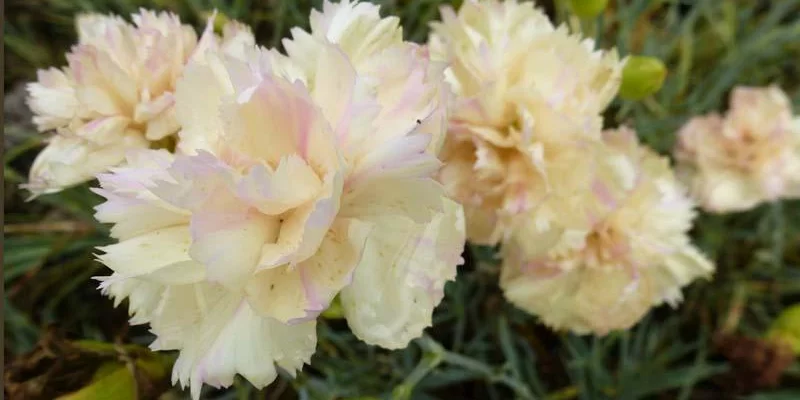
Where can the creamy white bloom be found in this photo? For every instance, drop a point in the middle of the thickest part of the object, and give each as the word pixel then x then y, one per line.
pixel 116 94
pixel 529 98
pixel 299 178
pixel 749 156
pixel 635 257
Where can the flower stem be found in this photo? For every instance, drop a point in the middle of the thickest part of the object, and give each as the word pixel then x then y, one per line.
pixel 491 374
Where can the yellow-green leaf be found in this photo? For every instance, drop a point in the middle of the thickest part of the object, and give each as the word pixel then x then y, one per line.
pixel 335 310
pixel 787 327
pixel 113 381
pixel 156 366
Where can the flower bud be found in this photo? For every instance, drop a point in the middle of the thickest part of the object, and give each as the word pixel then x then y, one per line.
pixel 588 8
pixel 641 77
pixel 219 18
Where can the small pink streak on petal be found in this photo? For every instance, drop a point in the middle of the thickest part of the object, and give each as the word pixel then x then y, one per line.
pixel 522 200
pixel 314 302
pixel 344 124
pixel 542 269
pixel 412 92
pixel 93 124
pixel 304 132
pixel 601 191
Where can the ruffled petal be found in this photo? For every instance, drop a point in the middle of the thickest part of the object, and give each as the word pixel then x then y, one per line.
pixel 290 185
pixel 193 181
pixel 143 296
pixel 301 293
pixel 71 160
pixel 344 96
pixel 147 254
pixel 356 27
pixel 103 87
pixel 401 276
pixel 229 338
pixel 52 99
pixel 303 229
pixel 401 157
pixel 133 216
pixel 418 199
pixel 726 190
pixel 583 301
pixel 229 244
pixel 289 120
pixel 198 97
pixel 413 96
pixel 102 131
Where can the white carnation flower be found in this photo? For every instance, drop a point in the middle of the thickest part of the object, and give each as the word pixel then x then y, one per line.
pixel 638 255
pixel 299 178
pixel 527 111
pixel 749 156
pixel 116 94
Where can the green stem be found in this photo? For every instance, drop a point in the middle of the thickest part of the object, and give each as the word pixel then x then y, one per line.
pixel 431 358
pixel 653 106
pixel 489 373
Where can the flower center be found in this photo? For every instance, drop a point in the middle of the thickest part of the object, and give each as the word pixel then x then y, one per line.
pixel 605 245
pixel 749 152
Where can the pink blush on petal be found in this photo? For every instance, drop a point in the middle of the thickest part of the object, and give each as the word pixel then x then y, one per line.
pixel 601 191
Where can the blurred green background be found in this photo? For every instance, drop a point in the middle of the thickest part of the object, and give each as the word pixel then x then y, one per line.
pixel 63 338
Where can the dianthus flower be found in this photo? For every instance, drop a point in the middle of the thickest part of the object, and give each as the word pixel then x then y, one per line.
pixel 526 116
pixel 115 95
pixel 298 178
pixel 749 156
pixel 637 256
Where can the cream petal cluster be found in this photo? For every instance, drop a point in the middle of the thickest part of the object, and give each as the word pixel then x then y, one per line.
pixel 526 123
pixel 638 255
pixel 116 94
pixel 749 156
pixel 298 178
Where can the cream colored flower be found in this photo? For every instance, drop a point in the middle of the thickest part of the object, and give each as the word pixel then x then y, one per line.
pixel 635 257
pixel 116 94
pixel 749 156
pixel 526 116
pixel 299 178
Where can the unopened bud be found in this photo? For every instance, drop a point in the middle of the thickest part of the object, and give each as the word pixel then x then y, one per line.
pixel 641 77
pixel 588 8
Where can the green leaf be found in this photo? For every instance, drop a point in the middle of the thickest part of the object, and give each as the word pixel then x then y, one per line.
pixel 335 310
pixel 112 382
pixel 156 365
pixel 23 254
pixel 787 327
